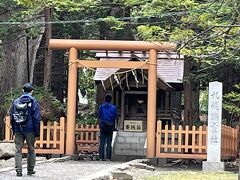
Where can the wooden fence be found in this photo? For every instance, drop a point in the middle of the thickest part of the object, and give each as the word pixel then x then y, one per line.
pixel 191 143
pixel 229 147
pixel 87 138
pixel 51 140
pixel 171 142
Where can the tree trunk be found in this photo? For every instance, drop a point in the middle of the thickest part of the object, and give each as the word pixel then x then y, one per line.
pixel 33 48
pixel 191 94
pixel 48 52
pixel 13 67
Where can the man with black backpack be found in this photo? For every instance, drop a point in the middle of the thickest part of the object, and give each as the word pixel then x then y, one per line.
pixel 25 122
pixel 107 115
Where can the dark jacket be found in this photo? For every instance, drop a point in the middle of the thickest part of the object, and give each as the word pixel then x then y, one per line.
pixel 33 122
pixel 107 114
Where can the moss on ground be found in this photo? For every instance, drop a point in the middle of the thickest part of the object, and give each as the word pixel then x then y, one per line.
pixel 189 175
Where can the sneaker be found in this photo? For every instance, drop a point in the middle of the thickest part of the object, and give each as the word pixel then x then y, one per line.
pixel 31 172
pixel 108 160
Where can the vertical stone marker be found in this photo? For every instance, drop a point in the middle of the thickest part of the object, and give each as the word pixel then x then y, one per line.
pixel 213 162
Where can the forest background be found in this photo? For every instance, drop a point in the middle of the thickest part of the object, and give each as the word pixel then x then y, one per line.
pixel 207 33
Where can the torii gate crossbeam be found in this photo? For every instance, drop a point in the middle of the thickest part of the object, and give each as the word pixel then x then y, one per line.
pixel 109 45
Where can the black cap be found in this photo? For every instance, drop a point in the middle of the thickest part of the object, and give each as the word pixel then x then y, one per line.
pixel 27 87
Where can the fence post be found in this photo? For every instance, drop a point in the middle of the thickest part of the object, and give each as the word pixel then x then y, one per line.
pixel 173 138
pixel 193 138
pixel 180 129
pixel 237 129
pixel 159 137
pixel 7 128
pixel 62 134
pixel 41 134
pixel 186 138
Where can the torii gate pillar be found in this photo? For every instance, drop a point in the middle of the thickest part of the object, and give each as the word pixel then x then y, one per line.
pixel 151 103
pixel 71 101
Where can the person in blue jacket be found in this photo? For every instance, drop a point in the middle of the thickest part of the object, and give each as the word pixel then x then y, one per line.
pixel 25 122
pixel 107 114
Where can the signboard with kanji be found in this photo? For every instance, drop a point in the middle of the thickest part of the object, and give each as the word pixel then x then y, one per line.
pixel 214 122
pixel 132 125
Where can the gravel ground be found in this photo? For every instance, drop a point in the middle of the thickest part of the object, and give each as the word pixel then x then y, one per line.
pixel 95 170
pixel 65 170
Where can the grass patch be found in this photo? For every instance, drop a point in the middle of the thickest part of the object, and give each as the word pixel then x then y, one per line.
pixel 188 175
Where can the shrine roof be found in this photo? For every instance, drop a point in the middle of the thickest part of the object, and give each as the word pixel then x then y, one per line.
pixel 169 65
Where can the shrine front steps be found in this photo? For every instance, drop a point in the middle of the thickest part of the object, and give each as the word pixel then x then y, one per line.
pixel 129 145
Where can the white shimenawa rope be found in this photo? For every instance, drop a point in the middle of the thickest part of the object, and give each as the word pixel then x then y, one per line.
pixel 135 77
pixel 111 82
pixel 103 85
pixel 142 76
pixel 127 81
pixel 116 78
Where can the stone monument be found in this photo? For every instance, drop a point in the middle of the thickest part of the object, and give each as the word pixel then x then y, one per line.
pixel 213 162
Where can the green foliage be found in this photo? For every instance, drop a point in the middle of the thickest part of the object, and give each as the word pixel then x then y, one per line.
pixel 178 34
pixel 114 23
pixel 193 25
pixel 51 107
pixel 87 113
pixel 30 13
pixel 203 101
pixel 86 84
pixel 232 102
pixel 152 33
pixel 59 5
pixel 87 119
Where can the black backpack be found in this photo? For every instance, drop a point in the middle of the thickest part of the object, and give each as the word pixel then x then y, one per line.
pixel 22 112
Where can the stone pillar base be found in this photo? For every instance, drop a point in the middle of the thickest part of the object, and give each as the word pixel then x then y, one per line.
pixel 213 166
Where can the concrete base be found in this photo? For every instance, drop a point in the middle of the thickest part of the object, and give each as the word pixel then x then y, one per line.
pixel 158 161
pixel 162 161
pixel 213 166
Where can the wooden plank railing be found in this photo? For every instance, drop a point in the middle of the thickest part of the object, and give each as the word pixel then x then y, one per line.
pixel 191 143
pixel 181 143
pixel 229 142
pixel 87 138
pixel 51 139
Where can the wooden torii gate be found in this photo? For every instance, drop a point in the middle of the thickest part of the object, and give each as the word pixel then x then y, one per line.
pixel 109 45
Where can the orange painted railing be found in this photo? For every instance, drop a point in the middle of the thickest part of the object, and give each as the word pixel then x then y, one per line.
pixel 191 143
pixel 51 140
pixel 229 147
pixel 181 143
pixel 87 138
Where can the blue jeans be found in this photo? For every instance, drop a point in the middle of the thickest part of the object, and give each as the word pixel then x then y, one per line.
pixel 105 138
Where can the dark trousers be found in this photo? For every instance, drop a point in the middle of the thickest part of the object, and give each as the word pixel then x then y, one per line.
pixel 105 139
pixel 19 142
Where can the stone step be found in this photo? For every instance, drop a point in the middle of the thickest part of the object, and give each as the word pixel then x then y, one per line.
pixel 129 146
pixel 135 152
pixel 130 139
pixel 131 134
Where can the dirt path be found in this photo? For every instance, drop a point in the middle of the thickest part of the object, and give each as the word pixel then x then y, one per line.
pixel 95 170
pixel 65 170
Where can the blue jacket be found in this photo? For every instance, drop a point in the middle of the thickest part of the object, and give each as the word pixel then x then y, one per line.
pixel 107 114
pixel 33 124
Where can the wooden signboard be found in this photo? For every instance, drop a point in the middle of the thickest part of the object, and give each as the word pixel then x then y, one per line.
pixel 133 126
